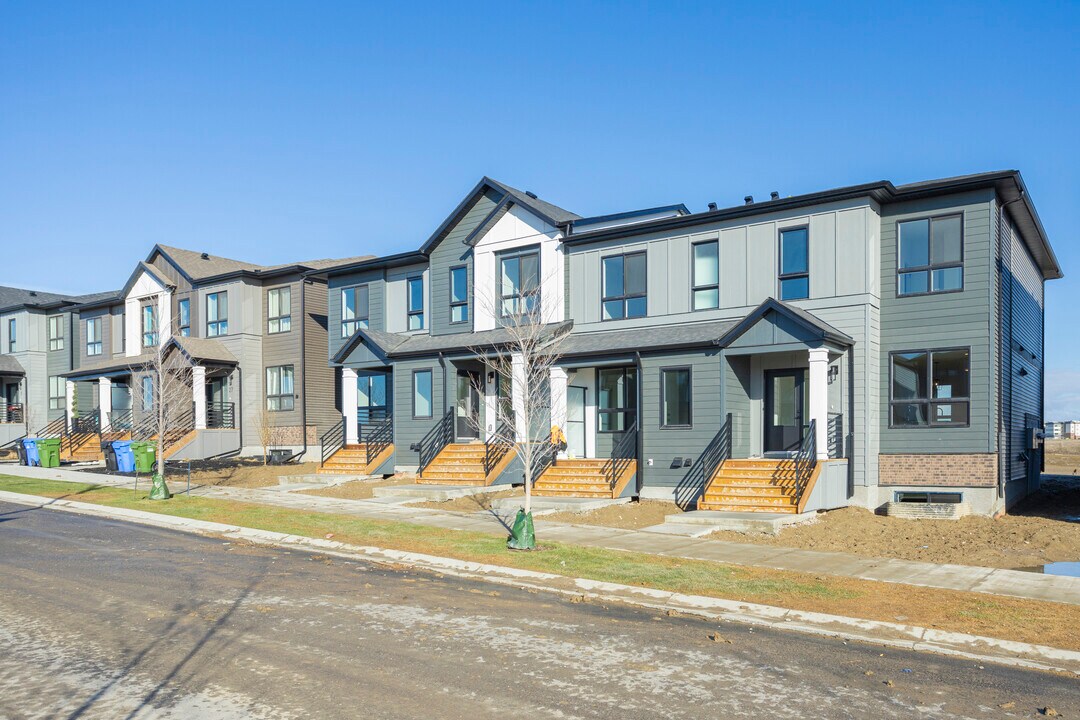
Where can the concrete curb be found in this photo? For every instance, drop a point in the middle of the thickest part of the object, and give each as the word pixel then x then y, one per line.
pixel 907 637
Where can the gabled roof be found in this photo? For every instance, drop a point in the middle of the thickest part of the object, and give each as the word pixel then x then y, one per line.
pixel 10 366
pixel 815 326
pixel 196 268
pixel 13 297
pixel 144 267
pixel 658 337
pixel 382 343
pixel 203 350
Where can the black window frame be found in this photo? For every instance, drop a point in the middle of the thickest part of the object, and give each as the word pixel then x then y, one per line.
pixel 694 286
pixel 630 409
pixel 219 324
pixel 56 342
pixel 431 401
pixel 149 337
pixel 285 319
pixel 360 322
pixel 410 311
pixel 459 303
pixel 690 400
pixel 931 266
pixel 930 401
pixel 13 332
pixel 57 402
pixel 521 294
pixel 624 298
pixel 280 395
pixel 781 276
pixel 94 347
pixel 183 328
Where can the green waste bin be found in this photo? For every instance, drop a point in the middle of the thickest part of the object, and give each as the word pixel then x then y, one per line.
pixel 144 456
pixel 48 451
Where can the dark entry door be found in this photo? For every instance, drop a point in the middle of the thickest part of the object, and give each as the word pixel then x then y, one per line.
pixel 785 400
pixel 467 414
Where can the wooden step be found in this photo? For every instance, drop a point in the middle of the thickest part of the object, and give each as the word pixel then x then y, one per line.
pixel 352 460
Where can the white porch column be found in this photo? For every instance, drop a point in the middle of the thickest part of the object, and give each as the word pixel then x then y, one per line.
pixel 198 395
pixel 517 374
pixel 104 401
pixel 348 405
pixel 558 382
pixel 819 399
pixel 69 401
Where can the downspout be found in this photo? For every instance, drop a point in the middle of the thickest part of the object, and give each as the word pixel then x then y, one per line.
pixel 303 369
pixel 445 395
pixel 240 404
pixel 640 450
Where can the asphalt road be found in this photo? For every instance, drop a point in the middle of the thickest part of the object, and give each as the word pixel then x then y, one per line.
pixel 100 619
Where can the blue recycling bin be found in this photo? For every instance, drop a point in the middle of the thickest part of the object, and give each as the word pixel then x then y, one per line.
pixel 30 446
pixel 125 459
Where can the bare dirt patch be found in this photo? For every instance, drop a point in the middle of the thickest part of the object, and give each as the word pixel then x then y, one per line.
pixel 1035 532
pixel 472 503
pixel 356 489
pixel 631 516
pixel 233 472
pixel 1063 457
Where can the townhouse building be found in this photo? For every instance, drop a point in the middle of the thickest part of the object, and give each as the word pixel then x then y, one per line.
pixel 859 345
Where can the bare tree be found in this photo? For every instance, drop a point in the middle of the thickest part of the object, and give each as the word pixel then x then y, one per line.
pixel 267 432
pixel 171 415
pixel 522 360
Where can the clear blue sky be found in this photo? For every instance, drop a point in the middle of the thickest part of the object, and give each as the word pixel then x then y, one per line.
pixel 283 131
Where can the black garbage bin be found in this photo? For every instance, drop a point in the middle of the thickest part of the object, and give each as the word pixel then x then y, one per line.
pixel 21 451
pixel 110 458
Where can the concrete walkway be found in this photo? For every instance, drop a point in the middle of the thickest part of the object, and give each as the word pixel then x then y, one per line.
pixel 1011 583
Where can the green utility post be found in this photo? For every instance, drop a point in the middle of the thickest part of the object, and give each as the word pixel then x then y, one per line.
pixel 522 534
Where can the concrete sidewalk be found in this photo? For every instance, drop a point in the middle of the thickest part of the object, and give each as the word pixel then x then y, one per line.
pixel 1011 583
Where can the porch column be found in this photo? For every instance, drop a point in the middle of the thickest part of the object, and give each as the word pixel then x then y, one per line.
pixel 198 395
pixel 558 382
pixel 104 401
pixel 348 405
pixel 819 399
pixel 69 401
pixel 517 389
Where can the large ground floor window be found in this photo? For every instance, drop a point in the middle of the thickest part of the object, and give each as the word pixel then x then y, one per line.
pixel 930 388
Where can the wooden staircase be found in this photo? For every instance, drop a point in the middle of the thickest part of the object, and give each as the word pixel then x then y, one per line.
pixel 85 447
pixel 463 464
pixel 352 460
pixel 583 478
pixel 757 485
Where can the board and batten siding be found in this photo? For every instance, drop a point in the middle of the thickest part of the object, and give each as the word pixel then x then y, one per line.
pixel 945 320
pixel 407 429
pixel 450 252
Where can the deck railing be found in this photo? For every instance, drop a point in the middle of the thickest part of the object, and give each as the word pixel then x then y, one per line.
pixel 332 440
pixel 221 416
pixel 120 421
pixel 378 437
pixel 836 435
pixel 437 438
pixel 11 413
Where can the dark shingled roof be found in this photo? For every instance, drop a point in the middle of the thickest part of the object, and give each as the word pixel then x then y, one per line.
pixel 10 366
pixel 556 213
pixel 658 337
pixel 12 297
pixel 402 345
pixel 196 267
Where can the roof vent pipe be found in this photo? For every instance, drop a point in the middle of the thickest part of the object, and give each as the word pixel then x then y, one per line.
pixel 774 195
pixel 205 256
pixel 712 207
pixel 749 199
pixel 531 194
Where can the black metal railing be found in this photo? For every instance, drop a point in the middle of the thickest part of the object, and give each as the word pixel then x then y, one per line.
pixel 836 435
pixel 544 455
pixel 377 438
pixel 332 440
pixel 623 453
pixel 86 424
pixel 144 427
pixel 11 413
pixel 805 459
pixel 371 415
pixel 717 451
pixel 497 446
pixel 55 429
pixel 437 438
pixel 120 421
pixel 221 416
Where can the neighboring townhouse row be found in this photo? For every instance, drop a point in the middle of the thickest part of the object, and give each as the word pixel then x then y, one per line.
pixel 247 343
pixel 861 345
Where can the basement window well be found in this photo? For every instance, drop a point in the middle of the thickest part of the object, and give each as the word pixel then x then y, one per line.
pixel 928 497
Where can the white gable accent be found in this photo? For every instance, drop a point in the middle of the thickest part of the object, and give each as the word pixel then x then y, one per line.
pixel 144 287
pixel 518 228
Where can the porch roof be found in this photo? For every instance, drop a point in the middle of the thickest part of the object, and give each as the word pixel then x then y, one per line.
pixel 10 366
pixel 810 326
pixel 198 350
pixel 686 335
pixel 398 345
pixel 204 350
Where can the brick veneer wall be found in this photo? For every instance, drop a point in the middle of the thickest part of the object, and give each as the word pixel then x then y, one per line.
pixel 976 470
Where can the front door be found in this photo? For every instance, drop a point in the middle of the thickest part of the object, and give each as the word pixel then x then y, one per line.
pixel 467 414
pixel 575 422
pixel 785 402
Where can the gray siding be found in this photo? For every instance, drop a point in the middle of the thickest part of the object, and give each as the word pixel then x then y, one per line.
pixel 409 430
pixel 376 283
pixel 104 317
pixel 960 319
pixel 736 389
pixel 57 362
pixel 323 407
pixel 449 252
pixel 281 349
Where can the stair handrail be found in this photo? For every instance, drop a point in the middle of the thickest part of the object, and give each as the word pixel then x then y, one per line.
pixel 544 455
pixel 623 453
pixel 717 451
pixel 120 420
pixel 331 441
pixel 176 428
pixel 805 459
pixel 496 446
pixel 379 437
pixel 441 435
pixel 87 424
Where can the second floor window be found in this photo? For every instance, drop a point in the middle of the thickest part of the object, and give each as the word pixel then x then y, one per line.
pixel 519 284
pixel 56 332
pixel 624 287
pixel 149 326
pixel 279 310
pixel 459 294
pixel 930 387
pixel 217 314
pixel 706 275
pixel 354 310
pixel 416 303
pixel 183 312
pixel 57 392
pixel 795 264
pixel 930 256
pixel 93 336
pixel 12 335
pixel 279 388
